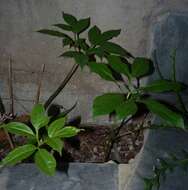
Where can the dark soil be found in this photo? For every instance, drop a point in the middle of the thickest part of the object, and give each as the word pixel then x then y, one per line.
pixel 93 144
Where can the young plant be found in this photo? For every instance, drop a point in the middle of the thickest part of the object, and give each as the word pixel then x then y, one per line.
pixel 40 145
pixel 113 63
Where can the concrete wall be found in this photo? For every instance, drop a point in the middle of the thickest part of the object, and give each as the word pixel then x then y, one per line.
pixel 19 19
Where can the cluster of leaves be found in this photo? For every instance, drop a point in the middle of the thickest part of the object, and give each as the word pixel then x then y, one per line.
pixel 43 138
pixel 163 167
pixel 115 64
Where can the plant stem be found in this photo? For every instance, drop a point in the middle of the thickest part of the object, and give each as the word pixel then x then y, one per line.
pixel 37 137
pixel 2 107
pixel 39 85
pixel 65 81
pixel 114 133
pixel 61 86
pixel 9 136
pixel 11 87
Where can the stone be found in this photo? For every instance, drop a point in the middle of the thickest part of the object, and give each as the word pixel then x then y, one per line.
pixel 171 31
pixel 80 176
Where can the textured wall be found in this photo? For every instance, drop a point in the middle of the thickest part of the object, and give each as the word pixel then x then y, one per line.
pixel 19 19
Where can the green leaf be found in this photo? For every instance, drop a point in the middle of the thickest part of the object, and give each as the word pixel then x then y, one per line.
pixel 67 132
pixel 45 162
pixel 31 140
pixel 55 126
pixel 53 33
pixel 71 54
pixel 69 19
pixel 94 35
pixel 68 42
pixel 2 125
pixel 113 48
pixel 102 70
pixel 140 67
pixel 96 51
pixel 19 129
pixel 125 109
pixel 163 86
pixel 107 103
pixel 18 154
pixel 64 27
pixel 81 25
pixel 79 57
pixel 38 117
pixel 120 67
pixel 164 112
pixel 108 35
pixel 55 143
pixel 81 43
pixel 148 184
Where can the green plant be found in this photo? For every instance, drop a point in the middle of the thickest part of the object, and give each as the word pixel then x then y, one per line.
pixel 113 63
pixel 40 145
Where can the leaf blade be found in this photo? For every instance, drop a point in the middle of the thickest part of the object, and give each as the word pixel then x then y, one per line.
pixel 55 143
pixel 53 33
pixel 45 162
pixel 69 19
pixel 81 25
pixel 102 70
pixel 116 49
pixel 19 129
pixel 141 67
pixel 163 86
pixel 67 132
pixel 94 35
pixel 164 112
pixel 108 35
pixel 107 103
pixel 56 126
pixel 19 154
pixel 120 67
pixel 128 108
pixel 38 117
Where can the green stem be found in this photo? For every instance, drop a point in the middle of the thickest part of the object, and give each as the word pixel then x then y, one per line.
pixel 62 85
pixel 37 138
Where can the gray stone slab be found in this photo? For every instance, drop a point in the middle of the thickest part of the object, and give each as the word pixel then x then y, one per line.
pixel 80 176
pixel 170 32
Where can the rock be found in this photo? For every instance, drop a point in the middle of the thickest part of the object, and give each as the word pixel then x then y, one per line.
pixel 80 176
pixel 171 32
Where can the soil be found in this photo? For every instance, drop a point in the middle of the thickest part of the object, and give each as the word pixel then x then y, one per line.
pixel 93 144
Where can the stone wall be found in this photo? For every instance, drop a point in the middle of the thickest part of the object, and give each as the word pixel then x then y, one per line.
pixel 171 31
pixel 19 19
